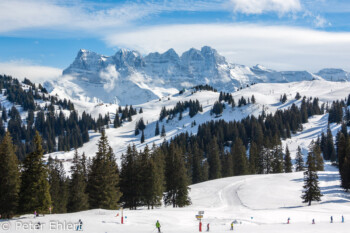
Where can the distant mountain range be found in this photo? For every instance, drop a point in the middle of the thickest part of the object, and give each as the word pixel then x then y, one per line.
pixel 130 78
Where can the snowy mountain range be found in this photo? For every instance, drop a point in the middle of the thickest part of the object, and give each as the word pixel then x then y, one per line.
pixel 130 78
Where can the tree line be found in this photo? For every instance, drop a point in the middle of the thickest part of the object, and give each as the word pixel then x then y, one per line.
pixel 193 105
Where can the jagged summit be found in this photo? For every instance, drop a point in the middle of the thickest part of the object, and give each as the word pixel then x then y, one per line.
pixel 128 77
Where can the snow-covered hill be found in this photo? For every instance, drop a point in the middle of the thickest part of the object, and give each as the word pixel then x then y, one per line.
pixel 267 96
pixel 130 78
pixel 257 203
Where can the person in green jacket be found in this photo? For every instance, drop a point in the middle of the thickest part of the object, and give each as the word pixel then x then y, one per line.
pixel 158 226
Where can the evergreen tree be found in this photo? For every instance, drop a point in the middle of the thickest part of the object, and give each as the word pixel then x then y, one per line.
pixel 345 169
pixel 58 186
pixel 163 133
pixel 227 165
pixel 157 184
pixel 253 99
pixel 129 178
pixel 311 190
pixel 299 161
pixel 35 188
pixel 9 178
pixel 287 161
pixel 176 179
pixel 277 163
pixel 78 198
pixel 240 158
pixel 116 121
pixel 253 158
pixel 151 179
pixel 156 133
pixel 217 108
pixel 4 115
pixel 142 137
pixel 316 150
pixel 283 98
pixel 103 183
pixel 330 151
pixel 214 160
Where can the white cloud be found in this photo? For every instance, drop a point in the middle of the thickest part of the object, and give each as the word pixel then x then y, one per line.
pixel 320 22
pixel 282 48
pixel 263 6
pixel 74 15
pixel 37 74
pixel 110 75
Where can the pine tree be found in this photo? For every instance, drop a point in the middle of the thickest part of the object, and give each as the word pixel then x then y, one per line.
pixel 4 115
pixel 253 99
pixel 287 161
pixel 253 158
pixel 103 183
pixel 180 116
pixel 116 121
pixel 156 133
pixel 345 169
pixel 227 165
pixel 58 186
pixel 217 108
pixel 299 161
pixel 311 190
pixel 329 153
pixel 35 188
pixel 78 198
pixel 283 98
pixel 176 179
pixel 129 178
pixel 151 179
pixel 142 137
pixel 157 184
pixel 277 163
pixel 318 157
pixel 163 133
pixel 240 158
pixel 214 160
pixel 9 178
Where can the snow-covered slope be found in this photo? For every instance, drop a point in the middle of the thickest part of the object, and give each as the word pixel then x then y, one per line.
pixel 267 96
pixel 257 203
pixel 130 78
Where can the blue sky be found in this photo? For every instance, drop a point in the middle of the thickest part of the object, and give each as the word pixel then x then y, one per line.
pixel 42 37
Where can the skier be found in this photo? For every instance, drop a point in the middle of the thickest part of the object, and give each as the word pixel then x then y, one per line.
pixel 342 219
pixel 288 220
pixel 208 227
pixel 313 221
pixel 35 214
pixel 232 226
pixel 158 226
pixel 80 225
pixel 331 219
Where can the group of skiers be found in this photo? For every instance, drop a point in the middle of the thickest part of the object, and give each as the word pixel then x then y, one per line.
pixel 313 220
pixel 208 225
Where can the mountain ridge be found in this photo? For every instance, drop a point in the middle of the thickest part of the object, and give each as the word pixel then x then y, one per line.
pixel 122 77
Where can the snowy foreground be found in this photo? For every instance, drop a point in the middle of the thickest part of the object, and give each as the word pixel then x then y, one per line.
pixel 260 203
